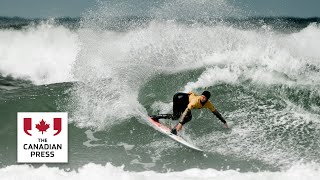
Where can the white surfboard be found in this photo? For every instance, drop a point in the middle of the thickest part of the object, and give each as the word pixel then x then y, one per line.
pixel 165 130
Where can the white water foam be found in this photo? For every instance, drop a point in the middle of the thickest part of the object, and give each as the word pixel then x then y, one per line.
pixel 196 9
pixel 43 54
pixel 273 59
pixel 113 66
pixel 266 58
pixel 260 131
pixel 97 172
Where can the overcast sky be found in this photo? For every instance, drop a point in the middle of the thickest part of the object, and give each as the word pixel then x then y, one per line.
pixel 74 8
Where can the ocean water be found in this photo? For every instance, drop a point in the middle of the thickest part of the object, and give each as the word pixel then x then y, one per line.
pixel 108 72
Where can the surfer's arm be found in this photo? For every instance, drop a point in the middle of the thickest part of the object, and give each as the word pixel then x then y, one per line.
pixel 219 116
pixel 210 106
pixel 184 114
pixel 181 121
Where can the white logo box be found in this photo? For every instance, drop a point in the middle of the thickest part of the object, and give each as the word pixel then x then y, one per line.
pixel 42 137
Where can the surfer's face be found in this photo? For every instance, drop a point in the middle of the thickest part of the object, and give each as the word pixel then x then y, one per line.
pixel 203 98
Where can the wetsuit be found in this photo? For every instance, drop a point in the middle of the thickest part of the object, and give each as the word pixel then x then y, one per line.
pixel 183 103
pixel 195 103
pixel 180 103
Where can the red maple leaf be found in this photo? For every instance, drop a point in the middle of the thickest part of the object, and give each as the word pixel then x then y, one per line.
pixel 42 126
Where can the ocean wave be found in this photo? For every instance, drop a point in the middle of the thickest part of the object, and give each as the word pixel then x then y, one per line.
pixel 309 172
pixel 43 54
pixel 116 65
pixel 49 51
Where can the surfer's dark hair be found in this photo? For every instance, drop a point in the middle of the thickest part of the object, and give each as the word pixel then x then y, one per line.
pixel 207 94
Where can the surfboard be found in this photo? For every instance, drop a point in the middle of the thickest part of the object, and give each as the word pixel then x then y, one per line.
pixel 166 130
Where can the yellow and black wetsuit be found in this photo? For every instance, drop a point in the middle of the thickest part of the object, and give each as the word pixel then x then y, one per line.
pixel 183 103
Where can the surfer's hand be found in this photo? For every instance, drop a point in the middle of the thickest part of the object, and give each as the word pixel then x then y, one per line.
pixel 225 125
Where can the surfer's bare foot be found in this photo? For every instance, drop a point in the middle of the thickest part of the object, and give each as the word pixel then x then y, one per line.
pixel 155 118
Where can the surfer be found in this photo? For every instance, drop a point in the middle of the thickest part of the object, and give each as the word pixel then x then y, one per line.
pixel 183 103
